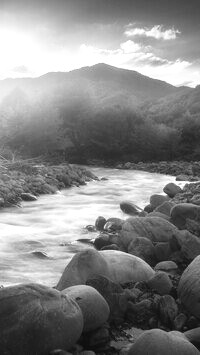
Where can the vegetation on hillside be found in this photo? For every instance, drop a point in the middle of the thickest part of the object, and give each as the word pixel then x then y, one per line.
pixel 88 119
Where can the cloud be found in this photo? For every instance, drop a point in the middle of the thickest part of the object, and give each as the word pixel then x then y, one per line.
pixel 22 69
pixel 135 56
pixel 156 32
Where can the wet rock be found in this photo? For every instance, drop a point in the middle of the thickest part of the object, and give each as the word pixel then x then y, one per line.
pixel 161 283
pixel 143 248
pixel 130 208
pixel 105 239
pixel 2 201
pixel 182 211
pixel 55 320
pixel 165 208
pixel 159 214
pixel 90 228
pixel 115 296
pixel 39 254
pixel 25 196
pixel 113 224
pixel 172 189
pixel 107 263
pixel 93 306
pixel 169 267
pixel 168 310
pixel 155 229
pixel 100 223
pixel 157 200
pixel 148 208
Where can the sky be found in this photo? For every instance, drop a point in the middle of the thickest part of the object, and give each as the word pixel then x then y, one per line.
pixel 158 38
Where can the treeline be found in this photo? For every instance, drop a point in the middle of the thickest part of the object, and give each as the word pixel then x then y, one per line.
pixel 79 129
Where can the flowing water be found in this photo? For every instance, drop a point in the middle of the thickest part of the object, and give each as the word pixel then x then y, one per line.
pixel 38 240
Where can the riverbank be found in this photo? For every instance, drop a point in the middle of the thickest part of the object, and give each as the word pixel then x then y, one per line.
pixel 22 180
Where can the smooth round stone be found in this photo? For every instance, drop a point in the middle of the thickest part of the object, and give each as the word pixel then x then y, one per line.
pixel 157 200
pixel 172 189
pixel 161 283
pixel 36 319
pixel 93 306
pixel 26 196
pixel 167 266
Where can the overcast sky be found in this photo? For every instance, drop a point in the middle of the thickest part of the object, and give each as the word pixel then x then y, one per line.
pixel 159 38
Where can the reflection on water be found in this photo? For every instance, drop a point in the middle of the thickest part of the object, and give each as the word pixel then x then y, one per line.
pixel 52 224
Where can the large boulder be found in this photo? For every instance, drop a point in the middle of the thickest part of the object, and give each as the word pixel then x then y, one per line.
pixel 93 306
pixel 157 200
pixel 143 248
pixel 172 189
pixel 159 342
pixel 189 287
pixel 116 265
pixel 155 229
pixel 36 320
pixel 165 208
pixel 183 211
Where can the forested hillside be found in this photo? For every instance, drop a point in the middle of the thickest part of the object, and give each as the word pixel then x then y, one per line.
pixel 99 112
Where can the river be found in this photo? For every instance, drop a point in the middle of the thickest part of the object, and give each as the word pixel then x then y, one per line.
pixel 38 240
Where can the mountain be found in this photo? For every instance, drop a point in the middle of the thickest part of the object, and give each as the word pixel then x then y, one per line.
pixel 101 82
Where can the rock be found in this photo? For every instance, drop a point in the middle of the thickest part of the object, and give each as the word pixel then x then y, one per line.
pixel 165 208
pixel 130 208
pixel 189 287
pixel 157 200
pixel 82 266
pixel 159 342
pixel 100 223
pixel 155 229
pixel 148 208
pixel 93 306
pixel 98 339
pixel 159 214
pixel 134 269
pixel 2 201
pixel 113 294
pixel 59 352
pixel 195 199
pixel 143 248
pixel 163 251
pixel 161 283
pixel 110 247
pixel 113 224
pixel 180 213
pixel 108 263
pixel 168 310
pixel 172 189
pixel 189 245
pixel 102 241
pixel 140 312
pixel 169 267
pixel 180 321
pixel 54 319
pixel 182 177
pixel 25 196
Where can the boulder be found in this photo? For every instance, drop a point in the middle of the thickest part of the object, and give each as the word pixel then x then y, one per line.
pixel 143 248
pixel 100 223
pixel 165 208
pixel 130 208
pixel 183 211
pixel 113 294
pixel 36 319
pixel 116 265
pixel 155 229
pixel 93 306
pixel 161 283
pixel 172 189
pixel 159 214
pixel 189 287
pixel 163 251
pixel 182 177
pixel 157 200
pixel 189 245
pixel 159 342
pixel 170 267
pixel 113 224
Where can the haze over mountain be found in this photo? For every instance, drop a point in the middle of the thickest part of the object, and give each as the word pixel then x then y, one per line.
pixel 101 82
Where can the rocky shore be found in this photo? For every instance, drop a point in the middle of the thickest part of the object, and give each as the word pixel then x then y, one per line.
pixel 24 181
pixel 184 171
pixel 135 292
